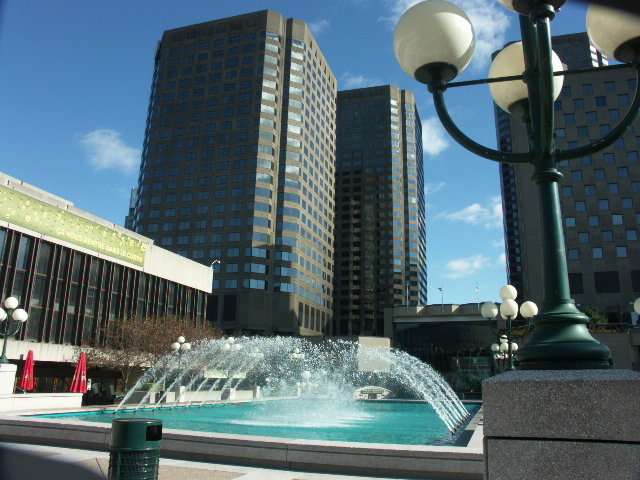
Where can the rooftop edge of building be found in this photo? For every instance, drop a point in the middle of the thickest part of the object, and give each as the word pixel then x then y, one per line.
pixel 157 261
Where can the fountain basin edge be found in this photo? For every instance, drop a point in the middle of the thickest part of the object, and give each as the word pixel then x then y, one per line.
pixel 408 461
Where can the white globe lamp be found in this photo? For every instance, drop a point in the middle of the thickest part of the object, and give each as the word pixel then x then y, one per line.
pixel 434 39
pixel 513 96
pixel 614 32
pixel 489 310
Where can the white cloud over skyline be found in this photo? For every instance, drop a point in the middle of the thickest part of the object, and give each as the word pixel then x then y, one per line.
pixel 489 215
pixel 499 243
pixel 435 139
pixel 349 81
pixel 106 150
pixel 319 27
pixel 430 188
pixel 466 267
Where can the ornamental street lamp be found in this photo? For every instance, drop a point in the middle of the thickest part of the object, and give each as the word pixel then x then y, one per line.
pixel 180 347
pixel 500 351
pixel 434 42
pixel 231 345
pixel 508 311
pixel 296 354
pixel 12 319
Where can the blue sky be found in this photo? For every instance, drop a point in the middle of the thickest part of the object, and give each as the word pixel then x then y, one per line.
pixel 75 83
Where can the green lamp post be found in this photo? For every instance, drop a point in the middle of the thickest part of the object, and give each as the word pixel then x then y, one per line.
pixel 180 347
pixel 508 311
pixel 434 42
pixel 11 321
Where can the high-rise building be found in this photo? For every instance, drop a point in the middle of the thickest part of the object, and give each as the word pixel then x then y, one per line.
pixel 600 194
pixel 380 254
pixel 238 168
pixel 130 218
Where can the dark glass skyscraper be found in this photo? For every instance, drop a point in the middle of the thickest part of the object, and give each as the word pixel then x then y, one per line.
pixel 600 193
pixel 380 211
pixel 238 168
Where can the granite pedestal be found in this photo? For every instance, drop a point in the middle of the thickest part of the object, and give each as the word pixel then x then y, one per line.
pixel 562 424
pixel 7 378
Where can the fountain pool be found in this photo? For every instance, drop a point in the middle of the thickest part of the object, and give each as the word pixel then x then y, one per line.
pixel 307 417
pixel 388 422
pixel 294 367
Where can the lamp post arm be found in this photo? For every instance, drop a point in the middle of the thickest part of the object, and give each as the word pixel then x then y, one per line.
pixel 6 334
pixel 623 127
pixel 526 332
pixel 10 333
pixel 462 139
pixel 493 330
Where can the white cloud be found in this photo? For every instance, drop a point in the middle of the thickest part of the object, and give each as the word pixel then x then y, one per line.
pixel 498 243
pixel 502 260
pixel 465 267
pixel 434 137
pixel 398 7
pixel 106 150
pixel 490 215
pixel 490 21
pixel 349 81
pixel 317 28
pixel 430 188
pixel 122 193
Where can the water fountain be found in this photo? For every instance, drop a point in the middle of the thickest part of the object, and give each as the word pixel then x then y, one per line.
pixel 287 367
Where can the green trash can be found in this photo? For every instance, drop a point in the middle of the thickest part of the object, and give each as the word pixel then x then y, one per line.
pixel 134 452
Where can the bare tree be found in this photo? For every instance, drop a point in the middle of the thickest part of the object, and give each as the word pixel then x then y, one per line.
pixel 130 343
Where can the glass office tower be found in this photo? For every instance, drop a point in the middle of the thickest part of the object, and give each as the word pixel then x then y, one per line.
pixel 238 168
pixel 380 252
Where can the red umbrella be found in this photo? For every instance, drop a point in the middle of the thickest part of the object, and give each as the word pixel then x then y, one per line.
pixel 79 384
pixel 26 383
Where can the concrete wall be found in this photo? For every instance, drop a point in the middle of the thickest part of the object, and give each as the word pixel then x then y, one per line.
pixel 625 354
pixel 165 264
pixel 39 401
pixel 42 352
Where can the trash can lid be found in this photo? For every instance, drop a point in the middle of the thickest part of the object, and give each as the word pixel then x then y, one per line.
pixel 136 433
pixel 148 421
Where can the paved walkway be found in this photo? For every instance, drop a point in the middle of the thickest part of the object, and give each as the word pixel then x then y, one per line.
pixel 175 469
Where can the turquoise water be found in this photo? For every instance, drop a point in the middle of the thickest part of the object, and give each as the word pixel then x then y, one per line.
pixel 405 423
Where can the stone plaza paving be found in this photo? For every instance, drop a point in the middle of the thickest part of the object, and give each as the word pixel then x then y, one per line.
pixel 98 462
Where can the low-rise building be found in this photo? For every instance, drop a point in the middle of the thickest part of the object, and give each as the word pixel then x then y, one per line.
pixel 74 272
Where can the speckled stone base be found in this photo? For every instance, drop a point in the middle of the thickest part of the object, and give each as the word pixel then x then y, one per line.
pixel 562 424
pixel 537 460
pixel 7 378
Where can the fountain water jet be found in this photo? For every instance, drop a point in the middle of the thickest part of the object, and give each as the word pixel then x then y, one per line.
pixel 295 367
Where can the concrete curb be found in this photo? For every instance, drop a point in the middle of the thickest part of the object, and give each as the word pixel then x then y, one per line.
pixel 404 461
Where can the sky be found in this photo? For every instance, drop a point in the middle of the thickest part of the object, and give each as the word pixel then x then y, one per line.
pixel 75 84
